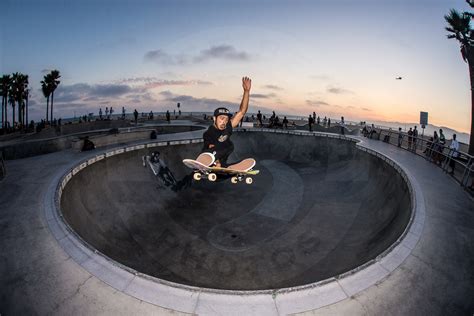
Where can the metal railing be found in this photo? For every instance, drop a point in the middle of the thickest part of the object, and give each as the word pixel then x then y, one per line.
pixel 461 168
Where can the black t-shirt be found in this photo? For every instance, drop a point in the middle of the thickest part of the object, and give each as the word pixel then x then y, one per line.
pixel 220 139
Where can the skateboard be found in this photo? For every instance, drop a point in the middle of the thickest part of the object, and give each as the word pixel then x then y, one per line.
pixel 203 168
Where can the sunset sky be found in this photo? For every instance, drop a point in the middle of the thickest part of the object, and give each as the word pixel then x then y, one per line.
pixel 332 57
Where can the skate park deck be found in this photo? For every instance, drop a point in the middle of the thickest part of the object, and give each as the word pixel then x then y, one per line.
pixel 39 276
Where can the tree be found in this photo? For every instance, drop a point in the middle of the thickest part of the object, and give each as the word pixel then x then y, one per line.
pixel 16 94
pixel 460 29
pixel 5 82
pixel 13 94
pixel 21 98
pixel 53 83
pixel 46 92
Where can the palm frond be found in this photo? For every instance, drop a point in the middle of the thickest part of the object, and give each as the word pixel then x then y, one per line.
pixel 450 29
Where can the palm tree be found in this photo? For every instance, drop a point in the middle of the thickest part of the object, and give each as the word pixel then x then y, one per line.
pixel 53 82
pixel 5 82
pixel 11 100
pixel 46 93
pixel 460 29
pixel 13 94
pixel 22 90
pixel 25 113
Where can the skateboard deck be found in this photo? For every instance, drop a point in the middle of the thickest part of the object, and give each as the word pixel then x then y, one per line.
pixel 239 171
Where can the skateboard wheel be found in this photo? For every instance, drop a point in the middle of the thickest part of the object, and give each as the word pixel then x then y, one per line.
pixel 197 176
pixel 212 177
pixel 248 180
pixel 234 180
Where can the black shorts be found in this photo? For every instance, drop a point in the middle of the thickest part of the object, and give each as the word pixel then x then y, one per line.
pixel 221 154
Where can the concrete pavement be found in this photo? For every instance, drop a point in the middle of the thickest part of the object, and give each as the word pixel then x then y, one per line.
pixel 39 277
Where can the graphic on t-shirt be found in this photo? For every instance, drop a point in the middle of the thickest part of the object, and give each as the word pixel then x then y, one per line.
pixel 223 138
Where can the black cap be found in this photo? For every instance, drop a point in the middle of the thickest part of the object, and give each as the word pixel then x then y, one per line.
pixel 222 111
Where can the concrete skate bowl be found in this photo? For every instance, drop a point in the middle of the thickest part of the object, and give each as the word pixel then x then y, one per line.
pixel 319 208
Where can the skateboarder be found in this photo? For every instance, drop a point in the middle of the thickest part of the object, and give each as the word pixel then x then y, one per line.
pixel 159 168
pixel 217 137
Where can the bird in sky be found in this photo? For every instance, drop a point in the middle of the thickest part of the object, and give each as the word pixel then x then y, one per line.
pixel 398 78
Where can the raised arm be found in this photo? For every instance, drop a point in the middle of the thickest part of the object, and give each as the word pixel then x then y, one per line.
pixel 244 105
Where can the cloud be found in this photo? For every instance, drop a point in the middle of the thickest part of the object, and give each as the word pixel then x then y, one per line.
pixel 137 80
pixel 226 52
pixel 161 57
pixel 337 90
pixel 203 104
pixel 167 94
pixel 272 87
pixel 262 96
pixel 316 103
pixel 366 109
pixel 221 52
pixel 86 92
pixel 140 97
pixel 153 82
pixel 321 77
pixel 161 83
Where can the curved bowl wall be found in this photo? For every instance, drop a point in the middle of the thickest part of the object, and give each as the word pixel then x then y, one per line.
pixel 319 207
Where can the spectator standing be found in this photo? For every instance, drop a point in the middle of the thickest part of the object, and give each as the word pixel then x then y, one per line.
pixel 123 113
pixel 259 119
pixel 106 112
pixel 442 139
pixel 410 138
pixel 285 122
pixel 453 153
pixel 400 137
pixel 100 114
pixel 310 123
pixel 329 122
pixel 434 147
pixel 415 138
pixel 168 116
pixel 342 125
pixel 135 114
pixel 372 131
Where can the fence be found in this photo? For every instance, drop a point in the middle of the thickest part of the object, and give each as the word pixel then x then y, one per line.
pixel 461 168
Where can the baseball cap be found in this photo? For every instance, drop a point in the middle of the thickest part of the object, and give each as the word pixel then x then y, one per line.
pixel 222 111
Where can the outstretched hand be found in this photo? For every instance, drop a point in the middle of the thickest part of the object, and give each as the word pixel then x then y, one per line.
pixel 246 83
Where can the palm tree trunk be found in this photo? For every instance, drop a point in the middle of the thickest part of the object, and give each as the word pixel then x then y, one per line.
pixel 52 100
pixel 47 109
pixel 26 112
pixel 19 112
pixel 23 115
pixel 13 115
pixel 3 114
pixel 470 62
pixel 6 110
